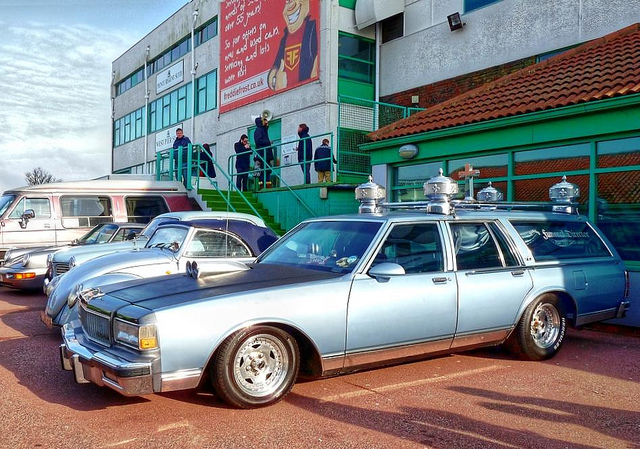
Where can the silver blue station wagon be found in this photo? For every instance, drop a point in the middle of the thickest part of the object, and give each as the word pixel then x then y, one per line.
pixel 395 282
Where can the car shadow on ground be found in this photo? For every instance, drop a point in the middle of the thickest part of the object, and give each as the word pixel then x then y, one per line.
pixel 440 429
pixel 591 351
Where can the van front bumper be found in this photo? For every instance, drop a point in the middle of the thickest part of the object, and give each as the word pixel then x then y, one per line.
pixel 129 378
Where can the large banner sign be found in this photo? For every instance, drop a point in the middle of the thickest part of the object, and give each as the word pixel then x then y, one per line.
pixel 266 46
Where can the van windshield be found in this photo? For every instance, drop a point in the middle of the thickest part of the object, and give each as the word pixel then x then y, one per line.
pixel 5 202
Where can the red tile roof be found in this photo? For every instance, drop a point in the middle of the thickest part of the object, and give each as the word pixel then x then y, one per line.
pixel 603 68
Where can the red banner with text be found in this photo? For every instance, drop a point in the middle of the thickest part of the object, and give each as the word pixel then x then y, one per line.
pixel 266 46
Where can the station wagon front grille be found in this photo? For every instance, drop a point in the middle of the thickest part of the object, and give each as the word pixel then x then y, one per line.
pixel 60 268
pixel 95 326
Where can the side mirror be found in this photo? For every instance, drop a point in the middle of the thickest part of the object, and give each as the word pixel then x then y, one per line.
pixel 131 236
pixel 384 271
pixel 26 216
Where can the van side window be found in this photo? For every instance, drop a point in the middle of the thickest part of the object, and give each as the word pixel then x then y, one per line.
pixel 84 211
pixel 415 247
pixel 40 206
pixel 474 247
pixel 559 240
pixel 141 209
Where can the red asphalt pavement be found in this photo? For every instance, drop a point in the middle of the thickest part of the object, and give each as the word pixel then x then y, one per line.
pixel 586 397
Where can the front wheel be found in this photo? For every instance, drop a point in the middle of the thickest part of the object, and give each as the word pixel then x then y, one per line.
pixel 540 331
pixel 255 367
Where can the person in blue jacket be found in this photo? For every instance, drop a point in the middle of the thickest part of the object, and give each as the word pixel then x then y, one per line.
pixel 182 141
pixel 305 151
pixel 322 161
pixel 264 152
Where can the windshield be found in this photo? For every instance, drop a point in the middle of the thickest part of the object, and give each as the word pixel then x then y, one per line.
pixel 153 225
pixel 168 237
pixel 5 202
pixel 100 234
pixel 335 246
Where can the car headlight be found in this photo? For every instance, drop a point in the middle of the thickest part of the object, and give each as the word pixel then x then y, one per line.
pixel 72 262
pixel 142 337
pixel 25 259
pixel 74 295
pixel 7 255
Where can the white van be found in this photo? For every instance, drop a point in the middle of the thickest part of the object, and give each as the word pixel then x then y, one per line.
pixel 57 213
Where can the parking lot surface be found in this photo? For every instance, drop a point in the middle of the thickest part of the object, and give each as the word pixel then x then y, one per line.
pixel 586 397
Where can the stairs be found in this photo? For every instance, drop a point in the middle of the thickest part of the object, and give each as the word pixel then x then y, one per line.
pixel 214 200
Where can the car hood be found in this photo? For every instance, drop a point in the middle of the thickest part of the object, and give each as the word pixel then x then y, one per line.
pixel 107 263
pixel 159 293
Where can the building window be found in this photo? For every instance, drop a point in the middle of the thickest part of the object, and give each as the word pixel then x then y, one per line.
pixel 170 109
pixel 130 81
pixel 128 128
pixel 470 5
pixel 393 28
pixel 172 54
pixel 207 92
pixel 206 32
pixel 356 63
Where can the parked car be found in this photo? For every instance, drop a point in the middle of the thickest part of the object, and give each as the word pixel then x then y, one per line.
pixel 63 261
pixel 25 269
pixel 343 293
pixel 57 213
pixel 219 244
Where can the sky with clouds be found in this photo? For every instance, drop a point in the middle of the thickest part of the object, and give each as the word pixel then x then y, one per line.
pixel 55 75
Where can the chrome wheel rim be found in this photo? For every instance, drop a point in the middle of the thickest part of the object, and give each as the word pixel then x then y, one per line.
pixel 261 365
pixel 545 325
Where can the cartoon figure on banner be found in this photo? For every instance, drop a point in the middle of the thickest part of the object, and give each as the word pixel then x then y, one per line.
pixel 297 58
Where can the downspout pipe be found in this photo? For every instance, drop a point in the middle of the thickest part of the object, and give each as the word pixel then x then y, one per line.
pixel 194 67
pixel 146 110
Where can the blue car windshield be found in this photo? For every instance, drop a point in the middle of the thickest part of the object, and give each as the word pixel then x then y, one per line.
pixel 168 237
pixel 335 246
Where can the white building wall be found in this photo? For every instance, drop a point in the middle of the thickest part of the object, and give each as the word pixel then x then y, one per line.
pixel 501 32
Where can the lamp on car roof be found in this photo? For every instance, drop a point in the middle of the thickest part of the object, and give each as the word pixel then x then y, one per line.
pixel 490 194
pixel 564 193
pixel 370 196
pixel 439 191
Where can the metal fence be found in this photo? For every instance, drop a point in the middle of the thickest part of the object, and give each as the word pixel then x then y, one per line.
pixel 356 119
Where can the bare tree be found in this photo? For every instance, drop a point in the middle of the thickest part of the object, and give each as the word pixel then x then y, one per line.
pixel 39 176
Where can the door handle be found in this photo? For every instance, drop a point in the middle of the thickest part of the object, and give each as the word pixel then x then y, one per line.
pixel 517 273
pixel 442 280
pixel 47 226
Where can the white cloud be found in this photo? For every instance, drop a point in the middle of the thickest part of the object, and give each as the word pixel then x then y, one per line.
pixel 56 102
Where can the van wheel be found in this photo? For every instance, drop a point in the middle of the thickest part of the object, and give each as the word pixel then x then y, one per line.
pixel 540 331
pixel 255 367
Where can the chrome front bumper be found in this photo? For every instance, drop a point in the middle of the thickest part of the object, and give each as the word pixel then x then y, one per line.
pixel 127 378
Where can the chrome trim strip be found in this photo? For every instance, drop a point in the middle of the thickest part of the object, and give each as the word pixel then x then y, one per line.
pixel 596 316
pixel 480 339
pixel 180 380
pixel 332 363
pixel 378 356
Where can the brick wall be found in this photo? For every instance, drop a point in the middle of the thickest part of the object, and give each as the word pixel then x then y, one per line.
pixel 435 93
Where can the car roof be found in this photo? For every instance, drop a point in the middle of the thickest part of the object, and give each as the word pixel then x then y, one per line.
pixel 201 214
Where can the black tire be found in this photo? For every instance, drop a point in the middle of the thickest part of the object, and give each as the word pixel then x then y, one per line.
pixel 540 331
pixel 255 367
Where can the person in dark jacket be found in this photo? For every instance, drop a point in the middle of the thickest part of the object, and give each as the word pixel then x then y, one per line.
pixel 207 156
pixel 305 152
pixel 182 141
pixel 243 161
pixel 263 149
pixel 322 160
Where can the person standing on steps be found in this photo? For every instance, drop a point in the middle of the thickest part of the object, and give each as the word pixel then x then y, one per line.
pixel 243 162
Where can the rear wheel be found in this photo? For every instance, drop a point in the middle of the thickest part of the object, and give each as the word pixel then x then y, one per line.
pixel 255 367
pixel 540 331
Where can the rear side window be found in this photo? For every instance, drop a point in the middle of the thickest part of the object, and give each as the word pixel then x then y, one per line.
pixel 559 240
pixel 474 246
pixel 141 209
pixel 85 211
pixel 216 244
